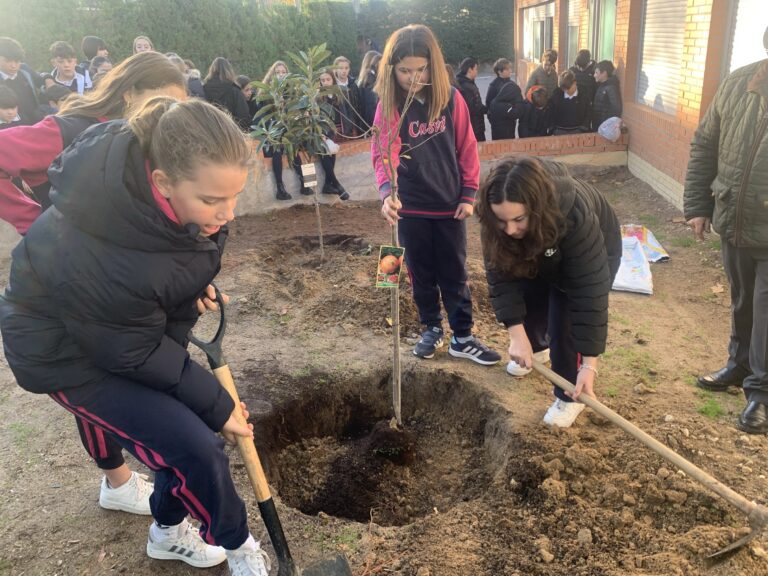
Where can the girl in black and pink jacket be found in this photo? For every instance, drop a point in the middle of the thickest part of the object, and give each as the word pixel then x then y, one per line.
pixel 26 153
pixel 424 139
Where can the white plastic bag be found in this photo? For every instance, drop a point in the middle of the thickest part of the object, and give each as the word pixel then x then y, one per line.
pixel 332 147
pixel 634 274
pixel 610 129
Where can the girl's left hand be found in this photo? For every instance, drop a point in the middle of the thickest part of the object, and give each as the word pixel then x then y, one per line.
pixel 464 211
pixel 585 383
pixel 208 302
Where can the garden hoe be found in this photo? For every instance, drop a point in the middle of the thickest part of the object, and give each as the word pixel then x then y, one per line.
pixel 286 565
pixel 757 515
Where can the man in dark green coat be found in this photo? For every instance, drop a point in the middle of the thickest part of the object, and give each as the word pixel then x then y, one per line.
pixel 727 185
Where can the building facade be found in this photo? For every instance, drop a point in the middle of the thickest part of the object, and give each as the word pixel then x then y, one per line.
pixel 670 56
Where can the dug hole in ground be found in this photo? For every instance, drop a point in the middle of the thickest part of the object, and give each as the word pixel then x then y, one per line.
pixel 490 490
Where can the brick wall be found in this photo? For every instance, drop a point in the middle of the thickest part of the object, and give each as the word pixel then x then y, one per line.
pixel 551 146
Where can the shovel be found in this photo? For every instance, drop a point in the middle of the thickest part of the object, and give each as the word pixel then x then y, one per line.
pixel 286 565
pixel 757 515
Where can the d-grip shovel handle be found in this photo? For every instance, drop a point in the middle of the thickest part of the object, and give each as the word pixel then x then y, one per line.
pixel 246 446
pixel 756 514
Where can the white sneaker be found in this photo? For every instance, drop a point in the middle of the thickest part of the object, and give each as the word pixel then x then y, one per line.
pixel 563 414
pixel 248 560
pixel 133 496
pixel 515 369
pixel 183 542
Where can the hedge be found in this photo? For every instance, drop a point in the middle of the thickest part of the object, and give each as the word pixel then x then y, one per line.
pixel 250 36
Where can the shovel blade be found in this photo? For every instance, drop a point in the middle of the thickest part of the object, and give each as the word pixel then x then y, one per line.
pixel 336 567
pixel 736 545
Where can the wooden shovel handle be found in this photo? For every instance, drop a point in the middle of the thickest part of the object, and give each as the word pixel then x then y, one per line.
pixel 757 515
pixel 246 446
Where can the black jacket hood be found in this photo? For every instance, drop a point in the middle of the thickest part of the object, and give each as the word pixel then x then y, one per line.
pixel 100 185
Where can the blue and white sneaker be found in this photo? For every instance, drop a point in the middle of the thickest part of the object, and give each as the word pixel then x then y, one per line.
pixel 431 340
pixel 183 542
pixel 472 349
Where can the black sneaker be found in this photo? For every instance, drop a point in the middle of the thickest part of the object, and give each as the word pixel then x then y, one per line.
pixel 474 350
pixel 343 194
pixel 330 188
pixel 282 194
pixel 306 191
pixel 431 340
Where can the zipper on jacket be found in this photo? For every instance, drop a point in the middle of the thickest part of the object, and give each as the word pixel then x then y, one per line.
pixel 747 172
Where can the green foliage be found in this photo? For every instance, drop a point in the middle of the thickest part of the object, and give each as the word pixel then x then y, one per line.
pixel 482 29
pixel 293 116
pixel 250 36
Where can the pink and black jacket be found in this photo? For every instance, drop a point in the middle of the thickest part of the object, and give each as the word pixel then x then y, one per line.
pixel 437 163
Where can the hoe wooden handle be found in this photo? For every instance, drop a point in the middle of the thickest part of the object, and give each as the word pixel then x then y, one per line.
pixel 757 515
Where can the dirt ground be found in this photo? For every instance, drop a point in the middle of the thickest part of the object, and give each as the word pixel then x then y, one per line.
pixel 491 490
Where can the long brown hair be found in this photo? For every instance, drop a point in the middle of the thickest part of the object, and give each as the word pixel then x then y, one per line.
pixel 370 62
pixel 523 180
pixel 140 72
pixel 412 40
pixel 221 69
pixel 177 137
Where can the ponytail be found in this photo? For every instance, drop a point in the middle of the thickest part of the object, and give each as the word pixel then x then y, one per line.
pixel 177 137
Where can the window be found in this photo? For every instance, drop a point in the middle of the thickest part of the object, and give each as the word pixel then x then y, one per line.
pixel 661 54
pixel 602 28
pixel 538 28
pixel 750 22
pixel 573 32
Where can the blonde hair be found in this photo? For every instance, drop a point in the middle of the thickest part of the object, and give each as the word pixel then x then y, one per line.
pixel 271 72
pixel 140 72
pixel 370 62
pixel 151 46
pixel 177 137
pixel 413 40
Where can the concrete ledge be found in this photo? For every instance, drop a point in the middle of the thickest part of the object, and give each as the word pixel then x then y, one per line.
pixel 662 183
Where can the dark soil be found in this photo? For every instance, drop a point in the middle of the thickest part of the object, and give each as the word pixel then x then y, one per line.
pixel 490 490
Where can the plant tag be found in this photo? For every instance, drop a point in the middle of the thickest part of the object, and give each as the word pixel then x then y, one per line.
pixel 310 175
pixel 389 266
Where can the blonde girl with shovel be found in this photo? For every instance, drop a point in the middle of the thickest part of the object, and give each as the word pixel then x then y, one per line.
pixel 102 294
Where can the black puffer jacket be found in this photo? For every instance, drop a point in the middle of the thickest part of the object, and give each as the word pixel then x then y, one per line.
pixel 477 110
pixel 583 264
pixel 585 80
pixel 229 97
pixel 104 283
pixel 506 108
pixel 607 102
pixel 494 88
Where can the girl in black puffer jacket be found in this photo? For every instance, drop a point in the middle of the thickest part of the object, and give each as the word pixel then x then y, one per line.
pixel 552 247
pixel 221 89
pixel 505 109
pixel 103 291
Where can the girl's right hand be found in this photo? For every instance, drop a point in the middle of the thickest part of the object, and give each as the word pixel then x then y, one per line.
pixel 520 347
pixel 389 210
pixel 232 428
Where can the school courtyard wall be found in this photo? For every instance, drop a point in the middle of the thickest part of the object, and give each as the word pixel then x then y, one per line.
pixel 659 143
